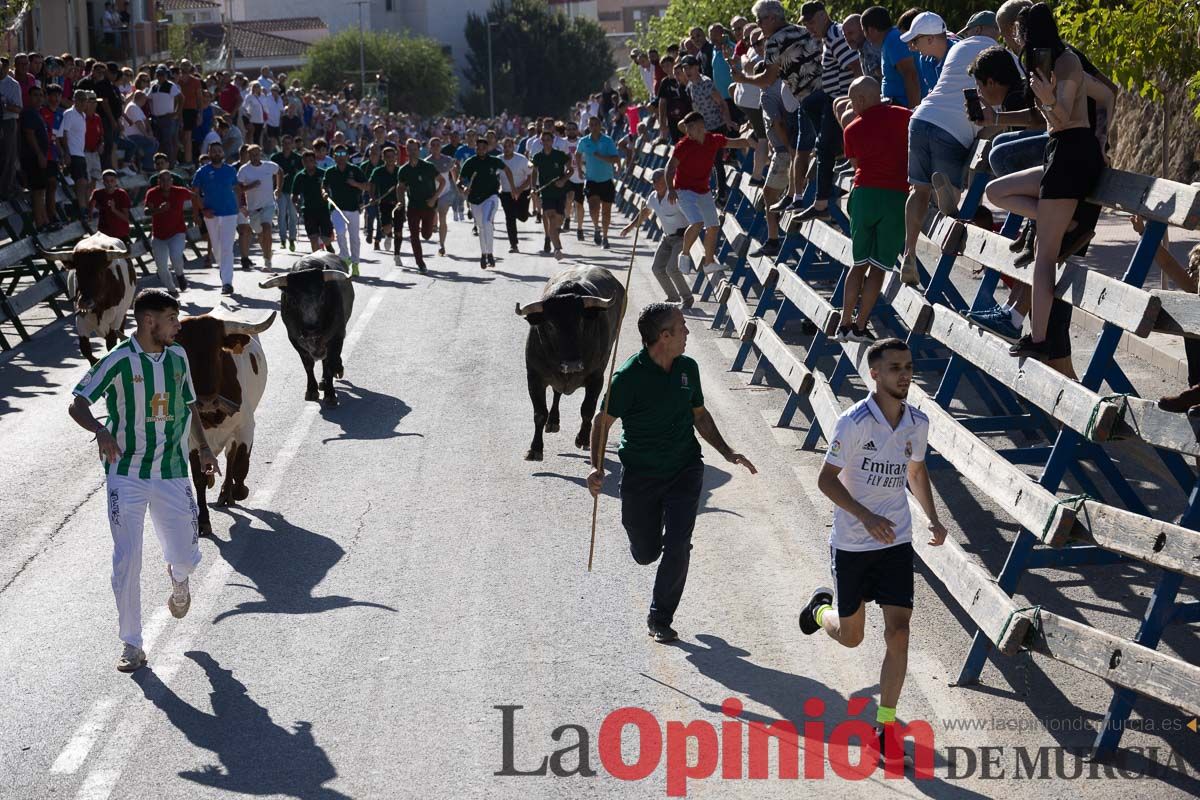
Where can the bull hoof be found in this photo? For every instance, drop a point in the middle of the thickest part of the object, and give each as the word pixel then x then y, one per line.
pixel 583 440
pixel 341 371
pixel 331 400
pixel 311 394
pixel 533 455
pixel 551 427
pixel 205 528
pixel 222 499
pixel 239 493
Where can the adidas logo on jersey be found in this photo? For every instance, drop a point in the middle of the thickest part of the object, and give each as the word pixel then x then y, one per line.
pixel 870 445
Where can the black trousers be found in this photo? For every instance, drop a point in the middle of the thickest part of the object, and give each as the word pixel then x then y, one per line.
pixel 514 210
pixel 659 514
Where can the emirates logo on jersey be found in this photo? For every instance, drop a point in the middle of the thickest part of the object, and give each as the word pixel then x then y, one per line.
pixel 160 406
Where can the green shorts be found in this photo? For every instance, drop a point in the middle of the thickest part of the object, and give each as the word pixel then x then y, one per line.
pixel 877 226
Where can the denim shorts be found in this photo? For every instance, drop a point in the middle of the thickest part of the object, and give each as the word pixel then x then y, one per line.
pixel 932 149
pixel 697 207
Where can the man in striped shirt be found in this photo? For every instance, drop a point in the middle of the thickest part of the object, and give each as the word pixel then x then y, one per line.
pixel 839 67
pixel 147 388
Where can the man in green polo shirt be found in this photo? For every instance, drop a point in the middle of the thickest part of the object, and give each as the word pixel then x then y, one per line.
pixel 309 197
pixel 480 182
pixel 422 183
pixel 146 384
pixel 656 394
pixel 344 185
pixel 385 194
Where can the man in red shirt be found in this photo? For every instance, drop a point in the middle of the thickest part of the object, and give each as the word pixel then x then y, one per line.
pixel 112 203
pixel 229 97
pixel 876 143
pixel 688 173
pixel 164 205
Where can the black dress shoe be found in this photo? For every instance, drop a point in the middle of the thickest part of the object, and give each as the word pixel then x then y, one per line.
pixel 660 631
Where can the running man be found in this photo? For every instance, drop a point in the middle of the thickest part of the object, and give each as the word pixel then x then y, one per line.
pixel 446 166
pixel 290 163
pixel 666 257
pixel 307 195
pixel 258 184
pixel 597 154
pixel 515 199
pixel 479 181
pixel 422 183
pixel 550 167
pixel 574 185
pixel 213 189
pixel 876 445
pixel 657 396
pixel 344 184
pixel 385 195
pixel 147 387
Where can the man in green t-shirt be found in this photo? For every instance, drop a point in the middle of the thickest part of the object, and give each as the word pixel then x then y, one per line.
pixel 344 185
pixel 308 195
pixel 480 182
pixel 290 163
pixel 146 384
pixel 656 394
pixel 422 183
pixel 550 169
pixel 385 193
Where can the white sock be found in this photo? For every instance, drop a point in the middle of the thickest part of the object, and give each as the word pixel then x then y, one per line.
pixel 1018 319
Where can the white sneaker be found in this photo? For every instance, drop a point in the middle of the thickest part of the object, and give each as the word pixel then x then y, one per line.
pixel 712 267
pixel 267 262
pixel 686 264
pixel 387 243
pixel 132 658
pixel 181 597
pixel 399 263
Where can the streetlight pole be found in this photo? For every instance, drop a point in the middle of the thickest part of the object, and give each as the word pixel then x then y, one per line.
pixel 362 61
pixel 491 82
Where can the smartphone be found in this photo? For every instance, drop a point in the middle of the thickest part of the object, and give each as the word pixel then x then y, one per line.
pixel 974 107
pixel 1043 61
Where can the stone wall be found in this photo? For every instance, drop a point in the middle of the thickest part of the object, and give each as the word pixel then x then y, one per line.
pixel 1137 138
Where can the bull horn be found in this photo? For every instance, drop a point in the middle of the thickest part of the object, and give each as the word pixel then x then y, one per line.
pixel 56 255
pixel 334 275
pixel 532 308
pixel 598 302
pixel 279 281
pixel 249 328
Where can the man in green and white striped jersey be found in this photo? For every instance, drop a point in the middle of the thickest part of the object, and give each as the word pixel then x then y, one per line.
pixel 147 387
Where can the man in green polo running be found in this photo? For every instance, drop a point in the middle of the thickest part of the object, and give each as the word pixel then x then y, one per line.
pixel 147 387
pixel 344 184
pixel 422 183
pixel 656 394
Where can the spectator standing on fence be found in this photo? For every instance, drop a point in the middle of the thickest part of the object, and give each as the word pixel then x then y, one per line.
pixel 153 420
pixel 673 101
pixel 901 81
pixel 191 90
pixel 657 396
pixel 792 55
pixel 259 183
pixel 136 130
pixel 41 171
pixel 166 107
pixel 72 132
pixel 688 171
pixel 215 197
pixel 877 444
pixel 1051 194
pixel 164 204
pixel 666 257
pixel 839 67
pixel 256 112
pixel 876 144
pixel 748 98
pixel 940 134
pixel 10 96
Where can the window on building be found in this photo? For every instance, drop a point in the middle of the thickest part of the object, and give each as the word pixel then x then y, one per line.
pixel 388 5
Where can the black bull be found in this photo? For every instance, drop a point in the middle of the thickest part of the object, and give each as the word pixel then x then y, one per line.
pixel 570 338
pixel 316 301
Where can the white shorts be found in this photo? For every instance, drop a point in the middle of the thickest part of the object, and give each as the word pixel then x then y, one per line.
pixel 174 512
pixel 93 166
pixel 777 175
pixel 697 207
pixel 262 216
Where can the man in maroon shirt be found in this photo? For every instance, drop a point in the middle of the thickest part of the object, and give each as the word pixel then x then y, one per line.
pixel 164 205
pixel 688 173
pixel 229 97
pixel 112 203
pixel 876 143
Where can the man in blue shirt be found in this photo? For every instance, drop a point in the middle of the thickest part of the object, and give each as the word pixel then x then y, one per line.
pixel 213 189
pixel 901 81
pixel 597 156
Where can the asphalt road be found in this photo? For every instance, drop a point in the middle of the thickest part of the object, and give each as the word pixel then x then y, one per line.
pixel 399 571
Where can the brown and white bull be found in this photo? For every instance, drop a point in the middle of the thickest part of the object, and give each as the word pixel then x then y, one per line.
pixel 229 372
pixel 101 283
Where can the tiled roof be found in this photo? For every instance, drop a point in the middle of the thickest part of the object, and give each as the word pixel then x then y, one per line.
pixel 186 5
pixel 249 43
pixel 287 24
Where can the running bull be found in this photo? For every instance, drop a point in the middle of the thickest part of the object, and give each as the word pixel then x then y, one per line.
pixel 317 298
pixel 229 372
pixel 101 283
pixel 571 332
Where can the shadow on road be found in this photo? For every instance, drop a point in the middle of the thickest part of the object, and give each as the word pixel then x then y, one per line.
pixel 458 277
pixel 713 478
pixel 287 585
pixel 257 757
pixel 369 280
pixel 364 414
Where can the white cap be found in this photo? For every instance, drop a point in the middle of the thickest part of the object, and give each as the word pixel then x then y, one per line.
pixel 926 23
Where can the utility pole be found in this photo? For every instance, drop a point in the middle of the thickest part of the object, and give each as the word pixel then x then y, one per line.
pixel 229 36
pixel 491 82
pixel 362 60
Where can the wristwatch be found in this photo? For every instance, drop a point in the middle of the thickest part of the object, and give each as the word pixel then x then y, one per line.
pixel 1046 108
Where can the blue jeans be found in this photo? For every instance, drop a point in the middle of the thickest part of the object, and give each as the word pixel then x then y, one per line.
pixel 1017 150
pixel 932 149
pixel 819 130
pixel 373 228
pixel 288 218
pixel 142 148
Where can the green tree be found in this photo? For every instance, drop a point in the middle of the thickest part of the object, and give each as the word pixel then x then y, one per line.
pixel 181 45
pixel 542 61
pixel 419 75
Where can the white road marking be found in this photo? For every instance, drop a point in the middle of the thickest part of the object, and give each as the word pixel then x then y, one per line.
pixel 102 778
